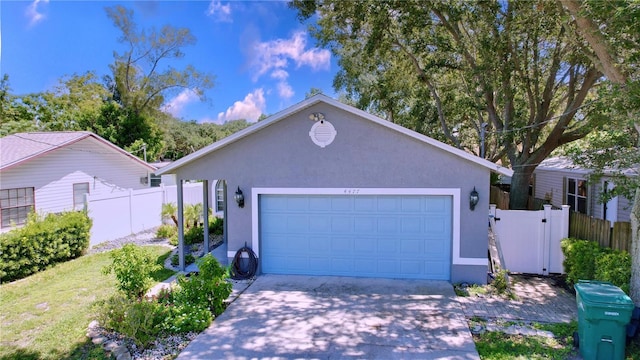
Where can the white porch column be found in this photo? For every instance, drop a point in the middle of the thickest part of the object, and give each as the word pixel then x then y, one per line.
pixel 205 214
pixel 180 225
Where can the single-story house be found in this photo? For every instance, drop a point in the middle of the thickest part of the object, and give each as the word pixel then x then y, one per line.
pixel 52 171
pixel 323 188
pixel 558 181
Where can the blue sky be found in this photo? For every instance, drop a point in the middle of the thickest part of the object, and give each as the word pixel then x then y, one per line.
pixel 262 57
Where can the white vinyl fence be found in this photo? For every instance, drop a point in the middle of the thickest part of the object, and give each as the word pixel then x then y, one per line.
pixel 530 240
pixel 124 213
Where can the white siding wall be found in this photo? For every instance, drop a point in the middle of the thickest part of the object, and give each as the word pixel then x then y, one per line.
pixel 53 174
pixel 550 182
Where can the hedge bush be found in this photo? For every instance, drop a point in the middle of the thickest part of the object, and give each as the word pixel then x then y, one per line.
pixel 42 243
pixel 587 260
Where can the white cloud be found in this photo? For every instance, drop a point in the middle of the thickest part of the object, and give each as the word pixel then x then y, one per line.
pixel 175 105
pixel 276 54
pixel 284 90
pixel 219 12
pixel 250 108
pixel 33 14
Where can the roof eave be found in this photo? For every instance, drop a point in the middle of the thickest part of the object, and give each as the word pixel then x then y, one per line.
pixel 323 98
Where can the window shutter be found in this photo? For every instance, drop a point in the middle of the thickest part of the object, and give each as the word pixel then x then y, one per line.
pixel 564 190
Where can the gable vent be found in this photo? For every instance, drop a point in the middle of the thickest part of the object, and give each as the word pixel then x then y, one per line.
pixel 322 133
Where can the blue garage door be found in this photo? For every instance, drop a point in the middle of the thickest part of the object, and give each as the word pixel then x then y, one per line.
pixel 356 235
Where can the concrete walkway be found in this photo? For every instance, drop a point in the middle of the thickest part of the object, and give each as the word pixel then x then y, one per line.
pixel 283 317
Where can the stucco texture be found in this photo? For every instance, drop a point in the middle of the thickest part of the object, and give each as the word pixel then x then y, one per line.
pixel 364 154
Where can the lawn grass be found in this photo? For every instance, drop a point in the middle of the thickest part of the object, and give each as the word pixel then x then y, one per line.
pixel 499 346
pixel 495 345
pixel 45 316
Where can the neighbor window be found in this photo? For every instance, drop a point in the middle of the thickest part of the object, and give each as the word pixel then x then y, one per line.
pixel 577 195
pixel 155 180
pixel 220 195
pixel 79 190
pixel 15 205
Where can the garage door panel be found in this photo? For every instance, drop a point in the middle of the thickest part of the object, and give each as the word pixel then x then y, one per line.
pixel 356 235
pixel 341 224
pixel 364 224
pixel 412 204
pixel 320 203
pixel 411 225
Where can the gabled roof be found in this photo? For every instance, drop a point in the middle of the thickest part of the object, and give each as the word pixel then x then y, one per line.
pixel 564 163
pixel 21 147
pixel 324 99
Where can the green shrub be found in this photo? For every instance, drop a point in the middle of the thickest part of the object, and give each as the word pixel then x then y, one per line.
pixel 194 235
pixel 586 260
pixel 216 225
pixel 186 318
pixel 580 259
pixel 207 288
pixel 166 231
pixel 615 267
pixel 188 259
pixel 500 283
pixel 43 242
pixel 139 319
pixel 132 266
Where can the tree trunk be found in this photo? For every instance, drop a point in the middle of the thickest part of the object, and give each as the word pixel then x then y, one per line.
pixel 635 250
pixel 519 193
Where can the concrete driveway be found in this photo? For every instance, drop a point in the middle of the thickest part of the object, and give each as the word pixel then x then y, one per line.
pixel 305 317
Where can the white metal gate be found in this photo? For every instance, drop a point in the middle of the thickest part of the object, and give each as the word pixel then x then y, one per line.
pixel 530 240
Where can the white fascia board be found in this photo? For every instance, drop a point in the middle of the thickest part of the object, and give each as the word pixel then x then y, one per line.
pixel 457 259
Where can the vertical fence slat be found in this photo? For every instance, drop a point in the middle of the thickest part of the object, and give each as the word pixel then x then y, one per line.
pixel 586 227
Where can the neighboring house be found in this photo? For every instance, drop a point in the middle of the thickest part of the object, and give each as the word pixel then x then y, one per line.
pixel 52 171
pixel 332 190
pixel 559 182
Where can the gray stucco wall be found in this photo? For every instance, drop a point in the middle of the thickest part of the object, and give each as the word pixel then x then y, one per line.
pixel 363 155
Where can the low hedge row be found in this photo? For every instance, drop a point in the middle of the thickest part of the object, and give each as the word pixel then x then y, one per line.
pixel 42 243
pixel 587 260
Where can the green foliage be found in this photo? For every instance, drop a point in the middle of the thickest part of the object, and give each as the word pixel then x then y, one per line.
pixel 166 231
pixel 216 226
pixel 579 259
pixel 207 288
pixel 139 319
pixel 188 259
pixel 615 267
pixel 500 282
pixel 586 260
pixel 42 243
pixel 193 235
pixel 186 317
pixel 132 266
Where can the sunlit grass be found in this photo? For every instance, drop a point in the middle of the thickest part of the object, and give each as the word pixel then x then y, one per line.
pixel 45 316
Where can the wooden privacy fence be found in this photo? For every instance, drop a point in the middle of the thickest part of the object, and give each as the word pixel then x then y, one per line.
pixel 586 227
pixel 500 198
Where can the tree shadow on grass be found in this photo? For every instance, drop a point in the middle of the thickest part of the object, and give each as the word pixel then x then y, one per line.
pixel 162 273
pixel 82 351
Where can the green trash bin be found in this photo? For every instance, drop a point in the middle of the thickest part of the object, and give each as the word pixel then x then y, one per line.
pixel 604 311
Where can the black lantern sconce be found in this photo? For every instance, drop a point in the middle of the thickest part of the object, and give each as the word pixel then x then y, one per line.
pixel 239 197
pixel 473 199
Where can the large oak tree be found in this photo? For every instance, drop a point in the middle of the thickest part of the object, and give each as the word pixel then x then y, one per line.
pixel 502 79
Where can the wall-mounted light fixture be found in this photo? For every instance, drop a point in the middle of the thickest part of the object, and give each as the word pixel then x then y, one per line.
pixel 239 197
pixel 473 199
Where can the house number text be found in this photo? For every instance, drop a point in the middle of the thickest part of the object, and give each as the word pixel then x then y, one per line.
pixel 351 191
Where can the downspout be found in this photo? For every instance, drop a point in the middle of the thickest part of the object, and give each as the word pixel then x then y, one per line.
pixel 180 226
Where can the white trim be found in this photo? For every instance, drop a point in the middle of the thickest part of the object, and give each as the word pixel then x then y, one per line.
pixel 455 221
pixel 350 109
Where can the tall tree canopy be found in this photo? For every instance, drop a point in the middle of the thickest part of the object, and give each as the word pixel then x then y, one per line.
pixel 612 36
pixel 139 80
pixel 502 79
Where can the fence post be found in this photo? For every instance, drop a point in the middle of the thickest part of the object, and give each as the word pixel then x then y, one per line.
pixel 492 210
pixel 564 230
pixel 131 211
pixel 546 242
